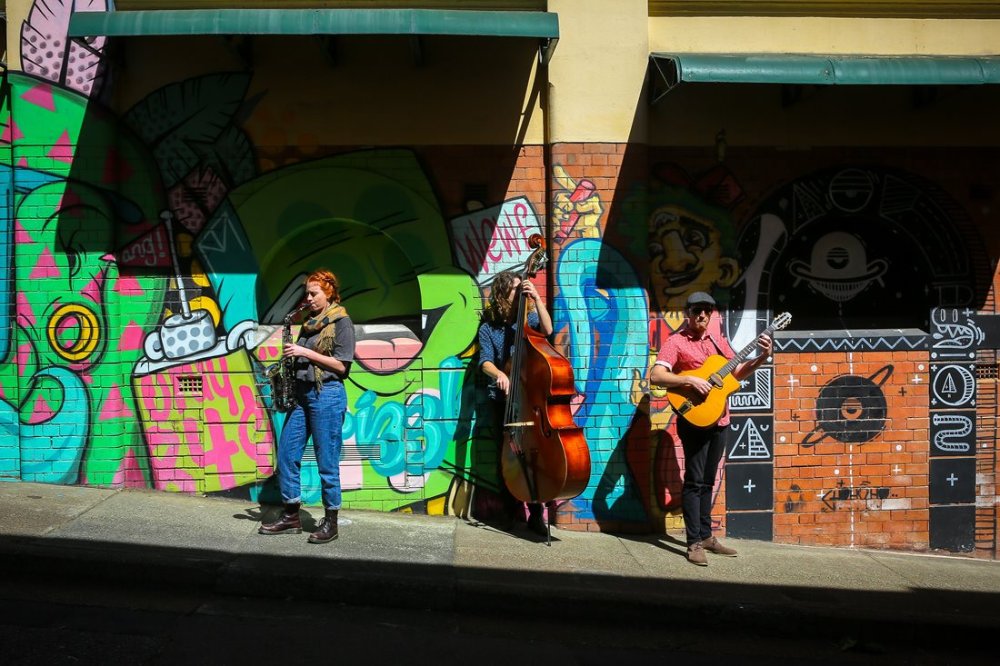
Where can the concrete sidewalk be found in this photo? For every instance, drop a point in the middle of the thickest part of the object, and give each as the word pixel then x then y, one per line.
pixel 443 563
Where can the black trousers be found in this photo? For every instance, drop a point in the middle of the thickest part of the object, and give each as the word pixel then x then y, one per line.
pixel 703 450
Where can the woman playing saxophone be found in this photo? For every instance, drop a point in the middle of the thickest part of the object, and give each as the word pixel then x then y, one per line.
pixel 322 357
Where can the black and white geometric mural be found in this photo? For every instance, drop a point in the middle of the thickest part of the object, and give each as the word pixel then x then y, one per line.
pixel 749 486
pixel 750 439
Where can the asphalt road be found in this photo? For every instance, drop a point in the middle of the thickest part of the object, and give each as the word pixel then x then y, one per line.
pixel 55 622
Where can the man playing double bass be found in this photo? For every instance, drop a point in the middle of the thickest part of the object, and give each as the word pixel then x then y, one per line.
pixel 498 334
pixel 688 349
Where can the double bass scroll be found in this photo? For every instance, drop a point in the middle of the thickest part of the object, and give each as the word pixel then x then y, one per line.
pixel 545 455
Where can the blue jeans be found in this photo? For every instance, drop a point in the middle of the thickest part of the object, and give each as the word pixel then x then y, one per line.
pixel 320 414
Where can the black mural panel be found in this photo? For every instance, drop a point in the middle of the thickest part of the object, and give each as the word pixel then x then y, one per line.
pixel 953 385
pixel 750 439
pixel 952 481
pixel 857 248
pixel 957 334
pixel 754 394
pixel 757 525
pixel 953 433
pixel 953 528
pixel 749 486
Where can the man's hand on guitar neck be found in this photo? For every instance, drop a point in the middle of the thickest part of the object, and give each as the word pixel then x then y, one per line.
pixel 765 345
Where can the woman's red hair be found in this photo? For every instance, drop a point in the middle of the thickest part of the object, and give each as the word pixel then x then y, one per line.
pixel 327 281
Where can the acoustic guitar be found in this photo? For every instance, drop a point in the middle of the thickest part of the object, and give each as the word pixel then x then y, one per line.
pixel 705 411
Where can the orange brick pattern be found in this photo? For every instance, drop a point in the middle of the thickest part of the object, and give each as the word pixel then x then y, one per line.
pixel 863 494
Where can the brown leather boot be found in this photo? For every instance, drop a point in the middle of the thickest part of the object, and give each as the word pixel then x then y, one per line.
pixel 288 523
pixel 327 528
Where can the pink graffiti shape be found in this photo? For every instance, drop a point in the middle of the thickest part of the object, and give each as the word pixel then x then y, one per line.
pixel 129 473
pixel 63 149
pixel 46 266
pixel 114 407
pixel 41 411
pixel 40 95
pixel 220 454
pixel 93 289
pixel 24 311
pixel 131 338
pixel 71 204
pixel 11 132
pixel 21 237
pixel 128 285
pixel 23 162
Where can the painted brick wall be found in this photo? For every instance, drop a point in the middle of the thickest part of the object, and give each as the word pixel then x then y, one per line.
pixel 851 449
pixel 599 267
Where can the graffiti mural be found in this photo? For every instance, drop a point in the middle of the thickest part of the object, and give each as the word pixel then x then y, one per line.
pixel 151 251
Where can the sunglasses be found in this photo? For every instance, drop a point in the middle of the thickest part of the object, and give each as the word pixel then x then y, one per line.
pixel 698 309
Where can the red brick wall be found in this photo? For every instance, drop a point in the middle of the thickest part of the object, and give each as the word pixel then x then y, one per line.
pixel 868 493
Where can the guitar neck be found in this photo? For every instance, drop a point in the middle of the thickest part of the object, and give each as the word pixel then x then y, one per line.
pixel 743 353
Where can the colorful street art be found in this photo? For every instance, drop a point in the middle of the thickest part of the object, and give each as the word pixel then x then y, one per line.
pixel 149 257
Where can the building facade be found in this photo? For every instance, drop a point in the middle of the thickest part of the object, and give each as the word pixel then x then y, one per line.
pixel 173 169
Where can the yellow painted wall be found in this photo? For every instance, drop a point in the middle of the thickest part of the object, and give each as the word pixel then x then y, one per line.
pixel 824 35
pixel 597 71
pixel 692 114
pixel 17 11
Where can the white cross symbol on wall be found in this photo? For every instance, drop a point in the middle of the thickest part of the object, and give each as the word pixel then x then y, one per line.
pixel 750 486
pixel 952 479
pixel 792 380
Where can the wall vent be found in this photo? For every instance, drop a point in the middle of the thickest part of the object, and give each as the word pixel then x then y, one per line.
pixel 189 384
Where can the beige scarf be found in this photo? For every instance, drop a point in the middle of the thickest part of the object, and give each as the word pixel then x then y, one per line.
pixel 326 324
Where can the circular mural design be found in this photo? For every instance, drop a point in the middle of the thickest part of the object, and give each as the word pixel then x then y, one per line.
pixel 850 409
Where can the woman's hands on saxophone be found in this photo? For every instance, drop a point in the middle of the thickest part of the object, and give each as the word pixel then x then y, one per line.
pixel 294 350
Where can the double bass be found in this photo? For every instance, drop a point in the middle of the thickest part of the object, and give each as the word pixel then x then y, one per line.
pixel 545 455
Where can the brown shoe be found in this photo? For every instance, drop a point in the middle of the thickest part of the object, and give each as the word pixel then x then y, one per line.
pixel 327 528
pixel 288 523
pixel 713 545
pixel 696 554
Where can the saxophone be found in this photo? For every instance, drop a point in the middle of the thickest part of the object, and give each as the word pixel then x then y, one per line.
pixel 282 373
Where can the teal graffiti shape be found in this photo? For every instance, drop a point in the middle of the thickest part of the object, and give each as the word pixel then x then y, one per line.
pixel 413 436
pixel 51 450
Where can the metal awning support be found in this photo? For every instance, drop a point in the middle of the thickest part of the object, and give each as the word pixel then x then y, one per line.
pixel 671 69
pixel 543 26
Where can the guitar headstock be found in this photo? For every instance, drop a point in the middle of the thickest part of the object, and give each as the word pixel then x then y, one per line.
pixel 781 321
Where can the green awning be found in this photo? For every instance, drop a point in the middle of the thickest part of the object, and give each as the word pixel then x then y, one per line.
pixel 539 25
pixel 823 70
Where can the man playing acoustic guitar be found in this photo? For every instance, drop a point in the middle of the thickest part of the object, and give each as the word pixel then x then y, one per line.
pixel 686 350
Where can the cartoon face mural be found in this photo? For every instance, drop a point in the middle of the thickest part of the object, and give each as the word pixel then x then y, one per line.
pixel 687 255
pixel 691 235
